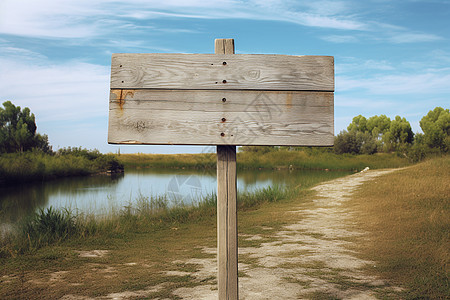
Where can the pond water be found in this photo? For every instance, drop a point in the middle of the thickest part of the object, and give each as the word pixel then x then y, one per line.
pixel 101 194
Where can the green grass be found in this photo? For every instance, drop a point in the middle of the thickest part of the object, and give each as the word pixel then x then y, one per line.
pixel 407 215
pixel 176 161
pixel 282 159
pixel 317 160
pixel 28 166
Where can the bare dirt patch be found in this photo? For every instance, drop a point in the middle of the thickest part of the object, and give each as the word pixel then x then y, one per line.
pixel 93 253
pixel 307 259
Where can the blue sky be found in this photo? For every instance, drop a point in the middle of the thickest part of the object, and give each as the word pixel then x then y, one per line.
pixel 391 57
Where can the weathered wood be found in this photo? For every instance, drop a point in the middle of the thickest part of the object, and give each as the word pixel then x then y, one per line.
pixel 227 247
pixel 227 223
pixel 200 118
pixel 304 126
pixel 222 72
pixel 224 46
pixel 211 100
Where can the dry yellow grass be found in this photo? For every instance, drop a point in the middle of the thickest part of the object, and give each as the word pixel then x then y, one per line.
pixel 407 215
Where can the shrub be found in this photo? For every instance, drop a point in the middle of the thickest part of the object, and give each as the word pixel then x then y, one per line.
pixel 48 226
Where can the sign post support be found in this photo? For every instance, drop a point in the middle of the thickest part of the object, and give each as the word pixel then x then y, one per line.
pixel 227 245
pixel 223 100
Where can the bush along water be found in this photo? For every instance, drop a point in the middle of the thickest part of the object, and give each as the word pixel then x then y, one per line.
pixel 37 165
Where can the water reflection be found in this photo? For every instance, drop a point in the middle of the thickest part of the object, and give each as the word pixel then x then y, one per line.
pixel 20 200
pixel 99 194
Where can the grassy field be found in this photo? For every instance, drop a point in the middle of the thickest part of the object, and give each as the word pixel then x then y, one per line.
pixel 408 216
pixel 312 160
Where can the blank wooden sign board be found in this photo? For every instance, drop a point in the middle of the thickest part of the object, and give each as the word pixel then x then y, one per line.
pixel 222 99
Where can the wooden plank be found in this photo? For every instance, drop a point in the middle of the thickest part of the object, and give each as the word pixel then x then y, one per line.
pixel 227 247
pixel 300 126
pixel 210 100
pixel 222 72
pixel 199 118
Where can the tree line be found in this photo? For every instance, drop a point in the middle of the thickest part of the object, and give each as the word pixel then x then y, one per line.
pixel 381 134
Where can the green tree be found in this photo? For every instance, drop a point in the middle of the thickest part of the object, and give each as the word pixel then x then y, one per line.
pixel 359 123
pixel 18 130
pixel 378 126
pixel 354 142
pixel 436 129
pixel 399 135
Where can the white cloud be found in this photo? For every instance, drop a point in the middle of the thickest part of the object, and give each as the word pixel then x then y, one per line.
pixel 23 54
pixel 339 39
pixel 410 37
pixel 76 19
pixel 404 84
pixel 326 7
pixel 357 66
pixel 68 91
pixel 440 56
pixel 45 18
pixel 84 19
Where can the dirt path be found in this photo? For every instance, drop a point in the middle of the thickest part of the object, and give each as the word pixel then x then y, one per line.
pixel 307 259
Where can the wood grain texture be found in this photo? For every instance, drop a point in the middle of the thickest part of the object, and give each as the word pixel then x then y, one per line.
pixel 227 235
pixel 305 126
pixel 222 72
pixel 200 118
pixel 209 100
pixel 224 46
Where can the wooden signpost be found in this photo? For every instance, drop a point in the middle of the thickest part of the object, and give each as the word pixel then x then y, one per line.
pixel 222 99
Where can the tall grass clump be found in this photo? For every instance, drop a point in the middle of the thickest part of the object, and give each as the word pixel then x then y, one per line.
pixel 407 215
pixel 160 211
pixel 268 194
pixel 49 226
pixel 43 228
